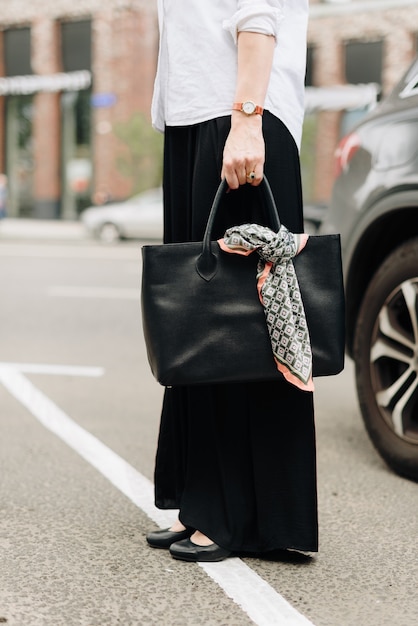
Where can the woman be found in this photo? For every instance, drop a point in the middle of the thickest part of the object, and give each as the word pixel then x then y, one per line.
pixel 237 460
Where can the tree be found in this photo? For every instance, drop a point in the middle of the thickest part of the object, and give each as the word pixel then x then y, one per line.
pixel 142 158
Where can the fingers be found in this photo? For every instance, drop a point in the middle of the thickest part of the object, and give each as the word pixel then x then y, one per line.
pixel 242 175
pixel 255 176
pixel 234 177
pixel 244 154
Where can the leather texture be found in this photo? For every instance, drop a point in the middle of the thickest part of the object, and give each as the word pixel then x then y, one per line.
pixel 239 106
pixel 165 537
pixel 202 319
pixel 186 550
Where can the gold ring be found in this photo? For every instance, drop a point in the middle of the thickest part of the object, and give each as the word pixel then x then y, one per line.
pixel 251 176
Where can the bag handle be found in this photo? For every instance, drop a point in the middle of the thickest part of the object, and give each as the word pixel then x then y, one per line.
pixel 206 264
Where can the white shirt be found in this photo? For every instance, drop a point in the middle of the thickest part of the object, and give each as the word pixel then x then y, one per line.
pixel 197 59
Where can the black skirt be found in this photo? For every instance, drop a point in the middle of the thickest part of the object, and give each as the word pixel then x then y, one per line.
pixel 238 460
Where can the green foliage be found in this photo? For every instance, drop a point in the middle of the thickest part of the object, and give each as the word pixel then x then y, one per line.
pixel 142 158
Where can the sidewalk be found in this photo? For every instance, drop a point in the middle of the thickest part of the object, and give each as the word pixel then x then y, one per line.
pixel 48 230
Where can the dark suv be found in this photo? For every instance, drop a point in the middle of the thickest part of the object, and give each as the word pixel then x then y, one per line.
pixel 375 208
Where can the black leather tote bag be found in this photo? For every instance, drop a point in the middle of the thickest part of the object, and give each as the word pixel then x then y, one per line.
pixel 202 318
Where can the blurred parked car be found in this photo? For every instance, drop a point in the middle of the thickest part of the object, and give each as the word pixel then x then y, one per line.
pixel 374 206
pixel 140 217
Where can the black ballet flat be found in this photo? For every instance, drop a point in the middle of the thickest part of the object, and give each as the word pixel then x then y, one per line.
pixel 186 550
pixel 164 538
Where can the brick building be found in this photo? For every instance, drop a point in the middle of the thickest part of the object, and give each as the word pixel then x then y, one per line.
pixel 354 41
pixel 71 71
pixel 75 73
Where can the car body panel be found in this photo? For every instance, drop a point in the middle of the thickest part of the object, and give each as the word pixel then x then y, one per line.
pixel 138 217
pixel 374 207
pixel 377 188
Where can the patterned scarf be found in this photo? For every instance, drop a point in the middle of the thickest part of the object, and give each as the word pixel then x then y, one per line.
pixel 279 293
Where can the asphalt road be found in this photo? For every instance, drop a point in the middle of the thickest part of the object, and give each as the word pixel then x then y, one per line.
pixel 79 415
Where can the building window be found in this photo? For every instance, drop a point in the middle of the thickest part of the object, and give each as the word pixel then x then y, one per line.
pixel 19 155
pixel 17 52
pixel 18 145
pixel 363 62
pixel 310 58
pixel 76 45
pixel 76 147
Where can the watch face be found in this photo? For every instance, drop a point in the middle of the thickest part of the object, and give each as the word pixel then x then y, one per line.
pixel 248 107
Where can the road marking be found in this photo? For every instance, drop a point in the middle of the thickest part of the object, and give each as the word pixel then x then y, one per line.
pixel 114 293
pixel 70 251
pixel 253 594
pixel 58 370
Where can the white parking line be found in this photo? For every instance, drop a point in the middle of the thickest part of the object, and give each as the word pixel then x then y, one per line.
pixel 246 588
pixel 57 370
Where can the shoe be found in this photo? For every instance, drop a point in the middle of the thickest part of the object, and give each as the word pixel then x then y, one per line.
pixel 186 550
pixel 164 538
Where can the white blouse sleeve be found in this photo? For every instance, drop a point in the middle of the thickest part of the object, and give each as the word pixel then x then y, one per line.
pixel 258 16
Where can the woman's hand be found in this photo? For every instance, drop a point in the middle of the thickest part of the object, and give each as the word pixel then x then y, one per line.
pixel 244 151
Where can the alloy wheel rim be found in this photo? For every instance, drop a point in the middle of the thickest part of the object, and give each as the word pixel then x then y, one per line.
pixel 394 360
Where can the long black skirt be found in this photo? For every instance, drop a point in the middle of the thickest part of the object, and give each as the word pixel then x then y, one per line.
pixel 238 460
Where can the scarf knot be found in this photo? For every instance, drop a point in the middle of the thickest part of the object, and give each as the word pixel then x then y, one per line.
pixel 279 293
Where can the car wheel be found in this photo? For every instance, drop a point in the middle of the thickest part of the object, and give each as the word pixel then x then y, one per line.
pixel 386 358
pixel 109 233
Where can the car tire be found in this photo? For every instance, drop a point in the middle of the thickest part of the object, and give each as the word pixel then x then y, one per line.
pixel 386 359
pixel 109 233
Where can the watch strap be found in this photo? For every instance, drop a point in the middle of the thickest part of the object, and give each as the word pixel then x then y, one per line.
pixel 238 106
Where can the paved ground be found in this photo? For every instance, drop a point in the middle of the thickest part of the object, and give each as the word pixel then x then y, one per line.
pixel 74 509
pixel 47 230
